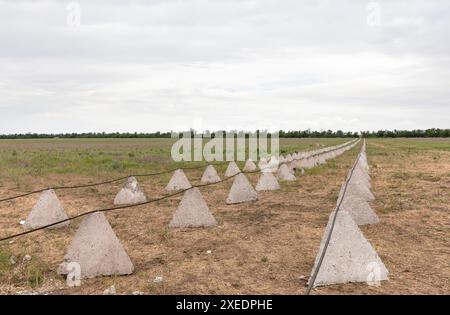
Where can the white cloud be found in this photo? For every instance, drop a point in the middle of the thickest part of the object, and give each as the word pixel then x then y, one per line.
pixel 162 65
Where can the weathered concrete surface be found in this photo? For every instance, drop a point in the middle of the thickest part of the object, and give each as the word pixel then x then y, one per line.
pixel 179 181
pixel 250 166
pixel 131 193
pixel 96 248
pixel 349 256
pixel 192 212
pixel 241 191
pixel 359 209
pixel 232 169
pixel 46 211
pixel 284 173
pixel 210 175
pixel 267 181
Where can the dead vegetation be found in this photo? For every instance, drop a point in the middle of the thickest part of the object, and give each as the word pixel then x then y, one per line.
pixel 263 247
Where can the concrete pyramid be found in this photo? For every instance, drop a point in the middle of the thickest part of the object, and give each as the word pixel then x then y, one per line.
pixel 272 165
pixel 284 173
pixel 349 256
pixel 307 163
pixel 131 193
pixel 321 159
pixel 46 211
pixel 210 175
pixel 178 181
pixel 250 166
pixel 96 248
pixel 358 208
pixel 292 166
pixel 263 164
pixel 267 181
pixel 232 169
pixel 241 191
pixel 361 191
pixel 192 212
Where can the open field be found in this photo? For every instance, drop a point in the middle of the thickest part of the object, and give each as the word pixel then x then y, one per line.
pixel 265 247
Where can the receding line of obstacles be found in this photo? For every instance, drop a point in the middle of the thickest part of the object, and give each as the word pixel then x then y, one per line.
pixel 139 204
pixel 319 264
pixel 146 175
pixel 119 207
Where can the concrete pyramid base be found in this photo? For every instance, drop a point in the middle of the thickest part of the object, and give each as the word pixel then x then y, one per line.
pixel 232 169
pixel 192 212
pixel 250 166
pixel 267 181
pixel 349 256
pixel 131 193
pixel 96 248
pixel 241 191
pixel 178 181
pixel 210 175
pixel 46 211
pixel 284 173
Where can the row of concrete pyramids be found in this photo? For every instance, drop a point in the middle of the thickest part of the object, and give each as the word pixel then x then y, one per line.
pixel 132 194
pixel 349 256
pixel 96 248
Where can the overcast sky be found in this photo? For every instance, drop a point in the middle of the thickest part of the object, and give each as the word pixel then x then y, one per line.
pixel 225 64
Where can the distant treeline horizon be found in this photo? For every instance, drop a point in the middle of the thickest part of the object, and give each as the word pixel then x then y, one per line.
pixel 417 133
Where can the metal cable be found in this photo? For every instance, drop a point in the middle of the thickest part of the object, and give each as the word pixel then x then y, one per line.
pixel 319 263
pixel 134 175
pixel 123 207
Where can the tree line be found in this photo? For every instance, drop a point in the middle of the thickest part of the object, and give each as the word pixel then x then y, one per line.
pixel 418 133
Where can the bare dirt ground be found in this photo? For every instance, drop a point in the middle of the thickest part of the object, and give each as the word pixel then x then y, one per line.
pixel 264 247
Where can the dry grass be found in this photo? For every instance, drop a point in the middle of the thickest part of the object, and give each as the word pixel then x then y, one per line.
pixel 265 247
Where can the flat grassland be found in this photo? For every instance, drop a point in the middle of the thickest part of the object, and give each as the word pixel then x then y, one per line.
pixel 264 247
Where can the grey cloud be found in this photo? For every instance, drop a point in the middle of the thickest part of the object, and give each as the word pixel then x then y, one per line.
pixel 150 65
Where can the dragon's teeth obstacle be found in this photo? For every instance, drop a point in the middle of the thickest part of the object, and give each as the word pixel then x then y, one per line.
pixel 267 181
pixel 250 166
pixel 349 256
pixel 131 193
pixel 192 212
pixel 241 191
pixel 232 169
pixel 46 211
pixel 97 250
pixel 359 210
pixel 178 181
pixel 284 173
pixel 262 164
pixel 210 175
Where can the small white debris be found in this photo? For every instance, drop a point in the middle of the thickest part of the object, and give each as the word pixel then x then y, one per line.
pixel 209 252
pixel 11 242
pixel 12 260
pixel 110 291
pixel 22 222
pixel 158 279
pixel 26 258
pixel 138 293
